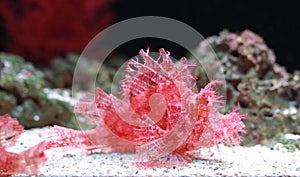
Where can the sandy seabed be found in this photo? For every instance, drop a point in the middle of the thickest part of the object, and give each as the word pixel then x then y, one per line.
pixel 237 161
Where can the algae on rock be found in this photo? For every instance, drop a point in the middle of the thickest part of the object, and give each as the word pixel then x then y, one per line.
pixel 60 75
pixel 22 95
pixel 266 91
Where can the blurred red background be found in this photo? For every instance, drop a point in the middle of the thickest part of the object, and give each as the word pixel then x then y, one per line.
pixel 41 29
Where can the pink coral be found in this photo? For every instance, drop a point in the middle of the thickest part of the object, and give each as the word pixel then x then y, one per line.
pixel 26 162
pixel 158 114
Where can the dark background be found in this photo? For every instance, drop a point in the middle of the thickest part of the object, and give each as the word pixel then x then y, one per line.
pixel 276 22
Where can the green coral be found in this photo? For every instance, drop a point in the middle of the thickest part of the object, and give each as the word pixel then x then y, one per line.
pixel 22 91
pixel 62 69
pixel 22 95
pixel 7 102
pixel 288 141
pixel 45 112
pixel 19 78
pixel 61 73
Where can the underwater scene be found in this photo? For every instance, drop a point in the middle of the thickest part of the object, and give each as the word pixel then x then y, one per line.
pixel 92 88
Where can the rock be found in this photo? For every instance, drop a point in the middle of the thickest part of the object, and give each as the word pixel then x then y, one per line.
pixel 266 91
pixel 22 95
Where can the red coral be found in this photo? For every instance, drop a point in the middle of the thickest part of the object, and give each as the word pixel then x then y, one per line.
pixel 40 30
pixel 28 161
pixel 159 114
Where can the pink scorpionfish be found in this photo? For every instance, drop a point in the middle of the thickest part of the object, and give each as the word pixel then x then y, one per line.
pixel 26 162
pixel 158 115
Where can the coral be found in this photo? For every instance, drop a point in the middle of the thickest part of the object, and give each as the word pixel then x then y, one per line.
pixel 272 107
pixel 158 114
pixel 26 162
pixel 19 77
pixel 58 26
pixel 265 90
pixel 60 75
pixel 22 95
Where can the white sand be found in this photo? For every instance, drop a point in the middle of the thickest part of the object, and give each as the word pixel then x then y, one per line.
pixel 241 161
